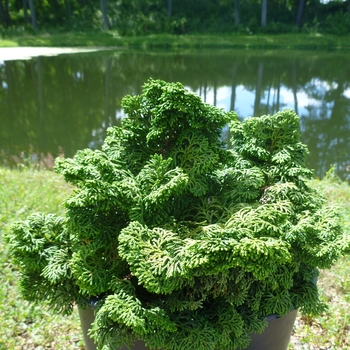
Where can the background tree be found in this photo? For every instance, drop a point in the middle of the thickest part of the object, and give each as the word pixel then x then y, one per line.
pixel 32 14
pixel 134 17
pixel 5 17
pixel 170 6
pixel 300 12
pixel 1 13
pixel 237 9
pixel 263 13
pixel 106 24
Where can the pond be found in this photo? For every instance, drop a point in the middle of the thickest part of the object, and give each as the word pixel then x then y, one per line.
pixel 52 106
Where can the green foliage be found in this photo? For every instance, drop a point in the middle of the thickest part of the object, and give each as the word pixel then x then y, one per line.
pixel 132 17
pixel 338 23
pixel 40 249
pixel 186 243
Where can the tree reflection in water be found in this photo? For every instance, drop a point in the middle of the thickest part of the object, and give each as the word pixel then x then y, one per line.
pixel 51 106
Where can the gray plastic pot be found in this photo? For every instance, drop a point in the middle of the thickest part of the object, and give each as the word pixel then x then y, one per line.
pixel 276 335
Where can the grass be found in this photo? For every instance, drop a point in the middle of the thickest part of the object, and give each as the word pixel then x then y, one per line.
pixel 331 330
pixel 24 326
pixel 27 327
pixel 234 40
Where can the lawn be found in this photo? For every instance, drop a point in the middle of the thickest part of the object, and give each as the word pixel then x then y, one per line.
pixel 112 39
pixel 24 326
pixel 332 329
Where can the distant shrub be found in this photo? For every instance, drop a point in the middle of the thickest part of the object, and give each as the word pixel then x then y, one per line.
pixel 278 28
pixel 338 23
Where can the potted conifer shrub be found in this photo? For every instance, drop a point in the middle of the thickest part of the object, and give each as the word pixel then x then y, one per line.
pixel 177 238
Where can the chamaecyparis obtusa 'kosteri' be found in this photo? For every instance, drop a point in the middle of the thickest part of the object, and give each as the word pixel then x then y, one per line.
pixel 186 240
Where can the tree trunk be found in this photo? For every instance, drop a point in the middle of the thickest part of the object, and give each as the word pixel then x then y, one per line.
pixel 268 100
pixel 263 12
pixel 1 13
pixel 54 6
pixel 69 10
pixel 81 5
pixel 233 88
pixel 258 89
pixel 104 14
pixel 205 91
pixel 108 119
pixel 25 11
pixel 300 12
pixel 278 94
pixel 339 132
pixel 295 87
pixel 170 7
pixel 32 14
pixel 6 14
pixel 215 93
pixel 237 7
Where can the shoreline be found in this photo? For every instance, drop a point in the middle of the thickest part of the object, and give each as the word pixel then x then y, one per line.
pixel 291 41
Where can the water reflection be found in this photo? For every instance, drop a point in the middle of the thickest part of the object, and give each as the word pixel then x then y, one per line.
pixel 57 105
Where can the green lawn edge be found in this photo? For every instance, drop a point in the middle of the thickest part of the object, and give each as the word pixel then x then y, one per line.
pixel 112 39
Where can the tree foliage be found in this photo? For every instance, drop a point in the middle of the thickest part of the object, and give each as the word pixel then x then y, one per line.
pixel 133 17
pixel 185 242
